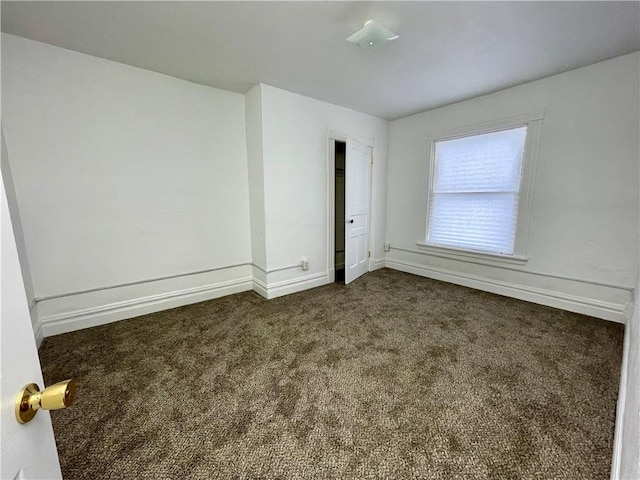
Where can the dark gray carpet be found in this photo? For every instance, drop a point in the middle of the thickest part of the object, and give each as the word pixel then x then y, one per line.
pixel 393 376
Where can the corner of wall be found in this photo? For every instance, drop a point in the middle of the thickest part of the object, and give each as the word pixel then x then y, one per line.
pixel 16 220
pixel 255 170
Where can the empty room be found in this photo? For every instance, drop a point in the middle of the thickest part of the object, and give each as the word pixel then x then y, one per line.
pixel 320 240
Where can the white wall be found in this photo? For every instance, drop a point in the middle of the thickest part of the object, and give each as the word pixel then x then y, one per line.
pixel 295 155
pixel 123 175
pixel 584 219
pixel 126 179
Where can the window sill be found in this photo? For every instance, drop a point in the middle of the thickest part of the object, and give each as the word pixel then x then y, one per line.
pixel 469 255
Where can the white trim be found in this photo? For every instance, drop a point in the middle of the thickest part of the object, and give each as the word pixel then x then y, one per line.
pixel 331 275
pixel 36 323
pixel 68 321
pixel 587 306
pixel 260 288
pixel 520 270
pixel 620 406
pixel 527 184
pixel 628 313
pixel 94 316
pixel 277 269
pixel 465 255
pixel 376 264
pixel 343 137
pixel 286 287
pixel 139 282
pixel 533 122
pixel 258 273
pixel 331 200
pixel 37 332
pixel 488 126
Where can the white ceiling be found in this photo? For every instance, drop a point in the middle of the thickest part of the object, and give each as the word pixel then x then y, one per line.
pixel 447 51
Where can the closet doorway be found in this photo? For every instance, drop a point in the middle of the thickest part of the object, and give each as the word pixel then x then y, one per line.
pixel 339 239
pixel 350 187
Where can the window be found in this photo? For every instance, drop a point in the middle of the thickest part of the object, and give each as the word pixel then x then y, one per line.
pixel 477 196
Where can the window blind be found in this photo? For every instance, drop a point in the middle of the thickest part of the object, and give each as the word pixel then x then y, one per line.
pixel 475 191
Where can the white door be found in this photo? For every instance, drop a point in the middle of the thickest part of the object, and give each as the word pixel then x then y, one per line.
pixel 357 202
pixel 28 450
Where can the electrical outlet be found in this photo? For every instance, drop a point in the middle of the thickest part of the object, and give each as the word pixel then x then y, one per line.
pixel 387 247
pixel 304 264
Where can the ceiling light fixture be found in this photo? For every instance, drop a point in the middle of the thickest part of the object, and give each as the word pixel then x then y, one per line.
pixel 372 36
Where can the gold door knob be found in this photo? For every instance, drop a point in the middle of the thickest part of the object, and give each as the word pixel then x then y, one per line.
pixel 31 399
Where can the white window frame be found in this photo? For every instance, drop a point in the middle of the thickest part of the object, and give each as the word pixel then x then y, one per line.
pixel 533 122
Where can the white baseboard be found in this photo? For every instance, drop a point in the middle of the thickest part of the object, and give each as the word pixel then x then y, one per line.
pixel 79 318
pixel 587 306
pixel 260 288
pixel 376 264
pixel 99 315
pixel 64 314
pixel 36 323
pixel 279 289
pixel 620 409
pixel 37 326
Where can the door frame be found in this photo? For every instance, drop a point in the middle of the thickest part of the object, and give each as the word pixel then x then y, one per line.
pixel 332 137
